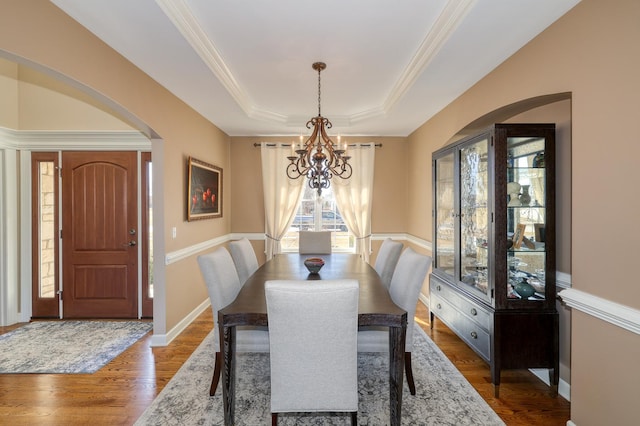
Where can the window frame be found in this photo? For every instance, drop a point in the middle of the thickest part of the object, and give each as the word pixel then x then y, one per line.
pixel 323 204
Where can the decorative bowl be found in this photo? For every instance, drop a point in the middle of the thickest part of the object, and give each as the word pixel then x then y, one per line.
pixel 314 264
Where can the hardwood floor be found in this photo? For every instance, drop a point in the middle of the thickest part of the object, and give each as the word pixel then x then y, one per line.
pixel 119 392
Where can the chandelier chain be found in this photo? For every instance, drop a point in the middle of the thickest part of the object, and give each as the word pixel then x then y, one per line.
pixel 319 114
pixel 320 161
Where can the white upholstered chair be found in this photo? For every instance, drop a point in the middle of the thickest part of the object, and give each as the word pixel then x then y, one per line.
pixel 387 259
pixel 314 242
pixel 404 290
pixel 244 258
pixel 313 327
pixel 223 285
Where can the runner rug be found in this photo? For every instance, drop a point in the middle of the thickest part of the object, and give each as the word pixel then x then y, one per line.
pixel 67 346
pixel 443 395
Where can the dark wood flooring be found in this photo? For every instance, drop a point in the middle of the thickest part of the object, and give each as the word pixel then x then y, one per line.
pixel 119 392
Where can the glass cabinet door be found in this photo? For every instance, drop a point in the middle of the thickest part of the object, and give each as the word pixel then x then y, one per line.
pixel 526 218
pixel 445 214
pixel 474 216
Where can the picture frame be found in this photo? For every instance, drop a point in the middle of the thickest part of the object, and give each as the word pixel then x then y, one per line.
pixel 518 235
pixel 539 229
pixel 204 192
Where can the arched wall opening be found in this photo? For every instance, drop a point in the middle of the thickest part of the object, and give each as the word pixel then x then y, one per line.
pixel 16 296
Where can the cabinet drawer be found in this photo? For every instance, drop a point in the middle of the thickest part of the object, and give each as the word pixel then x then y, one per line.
pixel 468 330
pixel 470 309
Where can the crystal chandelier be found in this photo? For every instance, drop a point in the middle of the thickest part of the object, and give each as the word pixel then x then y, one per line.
pixel 319 158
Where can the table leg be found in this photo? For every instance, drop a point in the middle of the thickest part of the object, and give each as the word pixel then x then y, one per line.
pixel 397 336
pixel 228 344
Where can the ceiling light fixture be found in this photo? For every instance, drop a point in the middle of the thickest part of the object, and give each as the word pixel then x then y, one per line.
pixel 319 158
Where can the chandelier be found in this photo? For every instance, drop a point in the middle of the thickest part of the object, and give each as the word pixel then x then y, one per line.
pixel 319 158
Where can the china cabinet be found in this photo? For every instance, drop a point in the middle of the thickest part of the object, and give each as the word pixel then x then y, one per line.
pixel 493 280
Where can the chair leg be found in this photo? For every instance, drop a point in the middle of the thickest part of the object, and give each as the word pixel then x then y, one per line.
pixel 216 374
pixel 354 418
pixel 409 371
pixel 274 419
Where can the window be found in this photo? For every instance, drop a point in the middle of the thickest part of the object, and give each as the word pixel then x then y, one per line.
pixel 45 239
pixel 47 224
pixel 319 214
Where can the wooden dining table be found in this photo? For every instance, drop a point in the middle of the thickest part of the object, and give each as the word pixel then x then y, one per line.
pixel 375 308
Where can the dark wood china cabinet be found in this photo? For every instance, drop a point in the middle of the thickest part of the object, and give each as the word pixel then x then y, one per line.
pixel 493 280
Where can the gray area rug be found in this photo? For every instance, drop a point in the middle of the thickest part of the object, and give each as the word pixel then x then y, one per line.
pixel 67 346
pixel 443 395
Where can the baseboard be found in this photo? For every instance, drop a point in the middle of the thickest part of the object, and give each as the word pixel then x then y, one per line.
pixel 164 339
pixel 424 299
pixel 564 388
pixel 570 423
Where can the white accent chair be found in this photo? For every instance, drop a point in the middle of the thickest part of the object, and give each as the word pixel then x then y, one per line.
pixel 404 290
pixel 313 327
pixel 387 260
pixel 244 258
pixel 314 242
pixel 223 285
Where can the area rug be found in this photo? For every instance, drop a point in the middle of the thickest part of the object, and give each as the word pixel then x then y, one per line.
pixel 67 346
pixel 443 395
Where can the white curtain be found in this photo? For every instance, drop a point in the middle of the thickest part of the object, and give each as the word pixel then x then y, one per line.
pixel 354 195
pixel 281 195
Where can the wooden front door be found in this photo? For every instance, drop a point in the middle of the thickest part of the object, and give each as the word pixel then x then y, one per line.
pixel 99 235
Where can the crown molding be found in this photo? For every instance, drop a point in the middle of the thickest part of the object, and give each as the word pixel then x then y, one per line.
pixel 450 18
pixel 9 139
pixel 182 18
pixel 186 23
pixel 47 140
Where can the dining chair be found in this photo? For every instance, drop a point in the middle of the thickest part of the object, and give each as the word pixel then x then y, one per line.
pixel 404 290
pixel 387 259
pixel 223 285
pixel 313 327
pixel 244 258
pixel 314 242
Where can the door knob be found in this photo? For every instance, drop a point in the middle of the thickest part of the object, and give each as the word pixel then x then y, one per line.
pixel 130 243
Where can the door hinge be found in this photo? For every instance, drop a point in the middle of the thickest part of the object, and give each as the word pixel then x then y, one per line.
pixel 61 234
pixel 59 294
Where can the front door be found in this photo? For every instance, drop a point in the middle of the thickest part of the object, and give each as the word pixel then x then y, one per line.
pixel 99 235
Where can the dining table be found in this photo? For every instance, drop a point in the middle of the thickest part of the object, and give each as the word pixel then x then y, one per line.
pixel 375 308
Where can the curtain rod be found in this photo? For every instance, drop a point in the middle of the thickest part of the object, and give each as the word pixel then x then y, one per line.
pixel 256 144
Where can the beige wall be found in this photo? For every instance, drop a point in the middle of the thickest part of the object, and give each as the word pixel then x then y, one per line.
pixel 37 33
pixel 9 91
pixel 590 52
pixel 49 104
pixel 32 100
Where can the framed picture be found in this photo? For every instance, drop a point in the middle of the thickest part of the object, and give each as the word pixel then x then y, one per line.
pixel 205 191
pixel 539 232
pixel 518 235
